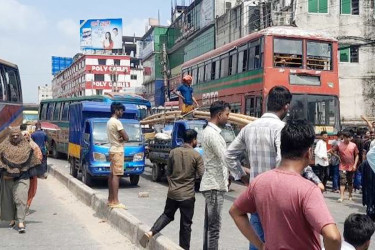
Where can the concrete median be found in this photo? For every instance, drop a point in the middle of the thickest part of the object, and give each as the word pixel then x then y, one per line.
pixel 122 220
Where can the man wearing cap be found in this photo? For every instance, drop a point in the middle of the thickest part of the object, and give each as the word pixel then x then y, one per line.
pixel 185 92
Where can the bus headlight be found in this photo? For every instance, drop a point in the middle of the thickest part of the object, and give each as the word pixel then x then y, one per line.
pixel 99 157
pixel 138 157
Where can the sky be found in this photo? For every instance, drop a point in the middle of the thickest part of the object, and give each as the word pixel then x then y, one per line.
pixel 34 30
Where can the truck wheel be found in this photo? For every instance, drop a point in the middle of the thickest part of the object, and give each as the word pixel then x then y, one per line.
pixel 55 153
pixel 156 172
pixel 134 179
pixel 86 177
pixel 73 168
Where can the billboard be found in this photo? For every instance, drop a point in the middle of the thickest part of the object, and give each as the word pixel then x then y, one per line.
pixel 105 34
pixel 60 63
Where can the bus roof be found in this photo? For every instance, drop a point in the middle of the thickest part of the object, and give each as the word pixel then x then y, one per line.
pixel 8 64
pixel 127 98
pixel 284 31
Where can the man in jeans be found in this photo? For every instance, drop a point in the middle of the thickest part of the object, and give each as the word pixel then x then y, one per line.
pixel 292 209
pixel 215 178
pixel 184 164
pixel 261 141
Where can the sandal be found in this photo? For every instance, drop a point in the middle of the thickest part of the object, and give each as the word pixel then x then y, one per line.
pixel 12 225
pixel 118 205
pixel 144 240
pixel 22 230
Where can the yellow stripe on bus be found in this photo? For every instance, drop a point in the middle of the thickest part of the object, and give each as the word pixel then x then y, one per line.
pixel 74 150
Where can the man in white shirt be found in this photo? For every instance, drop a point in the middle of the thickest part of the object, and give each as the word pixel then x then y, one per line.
pixel 214 182
pixel 321 158
pixel 358 229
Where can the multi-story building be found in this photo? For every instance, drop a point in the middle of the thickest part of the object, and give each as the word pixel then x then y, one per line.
pixel 151 53
pixel 94 75
pixel 44 92
pixel 352 22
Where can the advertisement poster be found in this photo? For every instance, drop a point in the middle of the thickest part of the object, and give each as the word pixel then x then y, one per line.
pixel 103 34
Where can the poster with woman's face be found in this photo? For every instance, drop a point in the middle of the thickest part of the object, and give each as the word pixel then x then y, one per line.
pixel 101 34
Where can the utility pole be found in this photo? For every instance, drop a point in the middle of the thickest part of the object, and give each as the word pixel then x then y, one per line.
pixel 165 74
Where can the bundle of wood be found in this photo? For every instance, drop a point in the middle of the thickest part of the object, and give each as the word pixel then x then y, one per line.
pixel 167 117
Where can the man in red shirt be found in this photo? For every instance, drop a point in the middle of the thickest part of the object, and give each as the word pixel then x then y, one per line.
pixel 292 209
pixel 349 156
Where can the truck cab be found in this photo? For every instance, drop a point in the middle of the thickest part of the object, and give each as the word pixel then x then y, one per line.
pixel 89 146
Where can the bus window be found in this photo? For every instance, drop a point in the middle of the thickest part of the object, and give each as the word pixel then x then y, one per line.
pixel 322 110
pixel 50 111
pixel 287 53
pixel 233 63
pixel 319 56
pixel 56 112
pixel 224 65
pixel 242 58
pixel 43 113
pixel 207 71
pixel 2 84
pixel 13 85
pixel 195 76
pixel 201 73
pixel 217 69
pixel 65 112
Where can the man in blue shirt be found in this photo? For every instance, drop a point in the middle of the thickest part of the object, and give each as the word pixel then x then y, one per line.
pixel 40 138
pixel 185 92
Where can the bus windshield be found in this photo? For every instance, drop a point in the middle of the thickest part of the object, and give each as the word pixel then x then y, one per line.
pixel 100 132
pixel 322 111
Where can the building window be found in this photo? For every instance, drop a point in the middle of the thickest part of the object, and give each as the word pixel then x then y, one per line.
pixel 98 77
pixel 318 6
pixel 116 62
pixel 350 7
pixel 99 92
pixel 102 61
pixel 133 77
pixel 349 53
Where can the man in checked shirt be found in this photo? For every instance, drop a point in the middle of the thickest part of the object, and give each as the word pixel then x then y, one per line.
pixel 261 141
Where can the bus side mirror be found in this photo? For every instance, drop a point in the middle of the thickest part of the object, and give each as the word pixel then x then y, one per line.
pixel 86 138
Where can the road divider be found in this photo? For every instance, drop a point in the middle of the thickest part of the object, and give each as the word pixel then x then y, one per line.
pixel 122 220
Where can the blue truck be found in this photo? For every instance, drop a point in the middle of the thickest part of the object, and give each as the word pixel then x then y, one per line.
pixel 88 149
pixel 158 150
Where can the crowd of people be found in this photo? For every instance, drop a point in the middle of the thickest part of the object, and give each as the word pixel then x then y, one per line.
pixel 23 159
pixel 284 195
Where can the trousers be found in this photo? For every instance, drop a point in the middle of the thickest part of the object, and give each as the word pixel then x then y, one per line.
pixel 187 212
pixel 212 218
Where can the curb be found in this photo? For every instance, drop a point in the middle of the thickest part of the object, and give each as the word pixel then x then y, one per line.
pixel 122 220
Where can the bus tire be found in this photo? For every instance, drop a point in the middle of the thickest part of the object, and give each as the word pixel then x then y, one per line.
pixel 134 179
pixel 156 172
pixel 86 177
pixel 73 168
pixel 55 154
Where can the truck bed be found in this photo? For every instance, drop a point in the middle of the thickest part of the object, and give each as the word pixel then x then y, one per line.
pixel 159 151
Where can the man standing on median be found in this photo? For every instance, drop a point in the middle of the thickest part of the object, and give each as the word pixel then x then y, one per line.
pixel 214 182
pixel 184 164
pixel 292 209
pixel 116 137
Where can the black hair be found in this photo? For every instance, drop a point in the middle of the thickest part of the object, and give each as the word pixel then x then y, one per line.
pixel 278 97
pixel 346 134
pixel 190 135
pixel 217 107
pixel 323 133
pixel 116 106
pixel 115 29
pixel 358 229
pixel 23 127
pixel 296 138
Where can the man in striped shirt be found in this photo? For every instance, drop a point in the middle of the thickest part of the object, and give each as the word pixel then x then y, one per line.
pixel 261 141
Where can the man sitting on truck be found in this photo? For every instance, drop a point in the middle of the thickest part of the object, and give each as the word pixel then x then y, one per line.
pixel 116 137
pixel 185 92
pixel 184 164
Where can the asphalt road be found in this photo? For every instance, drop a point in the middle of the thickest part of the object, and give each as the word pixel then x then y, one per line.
pixel 149 209
pixel 59 221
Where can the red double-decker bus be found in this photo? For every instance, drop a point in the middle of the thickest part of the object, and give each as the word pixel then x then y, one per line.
pixel 242 73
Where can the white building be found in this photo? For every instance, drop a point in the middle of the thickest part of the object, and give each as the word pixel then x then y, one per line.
pixel 44 92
